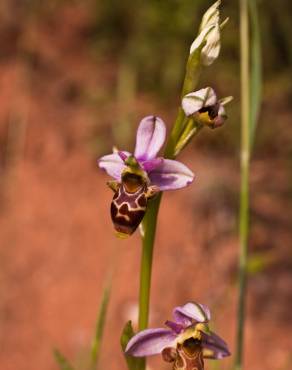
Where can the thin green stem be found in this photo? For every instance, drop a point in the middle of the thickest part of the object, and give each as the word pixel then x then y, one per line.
pixel 149 229
pixel 149 225
pixel 244 191
pixel 193 69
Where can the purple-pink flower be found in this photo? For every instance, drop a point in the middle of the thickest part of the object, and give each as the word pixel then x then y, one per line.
pixel 166 174
pixel 139 176
pixel 187 338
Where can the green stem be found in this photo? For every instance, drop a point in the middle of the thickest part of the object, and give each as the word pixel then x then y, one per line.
pixel 193 69
pixel 149 225
pixel 244 191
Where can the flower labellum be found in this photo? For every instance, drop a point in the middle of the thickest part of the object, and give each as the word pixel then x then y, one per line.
pixel 140 176
pixel 186 343
pixel 204 106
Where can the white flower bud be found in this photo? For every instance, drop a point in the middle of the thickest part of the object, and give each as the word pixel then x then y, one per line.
pixel 209 32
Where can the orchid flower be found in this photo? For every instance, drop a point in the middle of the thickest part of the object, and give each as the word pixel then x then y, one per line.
pixel 187 341
pixel 204 105
pixel 139 176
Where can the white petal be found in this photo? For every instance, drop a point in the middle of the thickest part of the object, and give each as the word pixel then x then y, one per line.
pixel 209 31
pixel 212 48
pixel 201 38
pixel 193 102
pixel 211 16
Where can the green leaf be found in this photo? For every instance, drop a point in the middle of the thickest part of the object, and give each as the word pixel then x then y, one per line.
pixel 133 363
pixel 256 69
pixel 258 262
pixel 127 334
pixel 62 361
pixel 101 317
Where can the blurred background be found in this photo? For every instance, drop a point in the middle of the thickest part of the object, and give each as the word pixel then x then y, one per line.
pixel 76 77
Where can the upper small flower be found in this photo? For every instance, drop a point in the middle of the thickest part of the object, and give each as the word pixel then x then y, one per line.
pixel 164 173
pixel 204 105
pixel 188 336
pixel 209 33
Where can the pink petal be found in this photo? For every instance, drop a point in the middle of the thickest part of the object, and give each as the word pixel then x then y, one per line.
pixel 112 164
pixel 171 175
pixel 123 155
pixel 214 346
pixel 191 311
pixel 150 342
pixel 150 138
pixel 151 164
pixel 174 326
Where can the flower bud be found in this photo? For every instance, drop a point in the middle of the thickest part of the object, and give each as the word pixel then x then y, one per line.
pixel 209 33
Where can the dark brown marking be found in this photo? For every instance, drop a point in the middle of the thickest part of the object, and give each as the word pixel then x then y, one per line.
pixel 189 356
pixel 124 209
pixel 211 110
pixel 142 201
pixel 114 210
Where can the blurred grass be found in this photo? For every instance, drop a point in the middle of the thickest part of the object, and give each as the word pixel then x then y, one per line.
pixel 62 361
pixel 256 69
pixel 100 323
pixel 92 362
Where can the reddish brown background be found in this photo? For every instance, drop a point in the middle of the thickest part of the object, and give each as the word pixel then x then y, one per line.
pixel 57 244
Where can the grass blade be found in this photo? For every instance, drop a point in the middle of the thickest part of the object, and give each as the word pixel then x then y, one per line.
pixel 244 183
pixel 62 361
pixel 101 317
pixel 256 69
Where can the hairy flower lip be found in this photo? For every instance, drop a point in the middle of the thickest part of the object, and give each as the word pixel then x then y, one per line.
pixel 166 174
pixel 190 321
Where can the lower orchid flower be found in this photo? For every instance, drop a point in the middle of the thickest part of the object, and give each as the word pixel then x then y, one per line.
pixel 140 176
pixel 187 341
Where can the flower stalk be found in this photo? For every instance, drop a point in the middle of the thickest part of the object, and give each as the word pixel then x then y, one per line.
pixel 149 226
pixel 193 69
pixel 244 187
